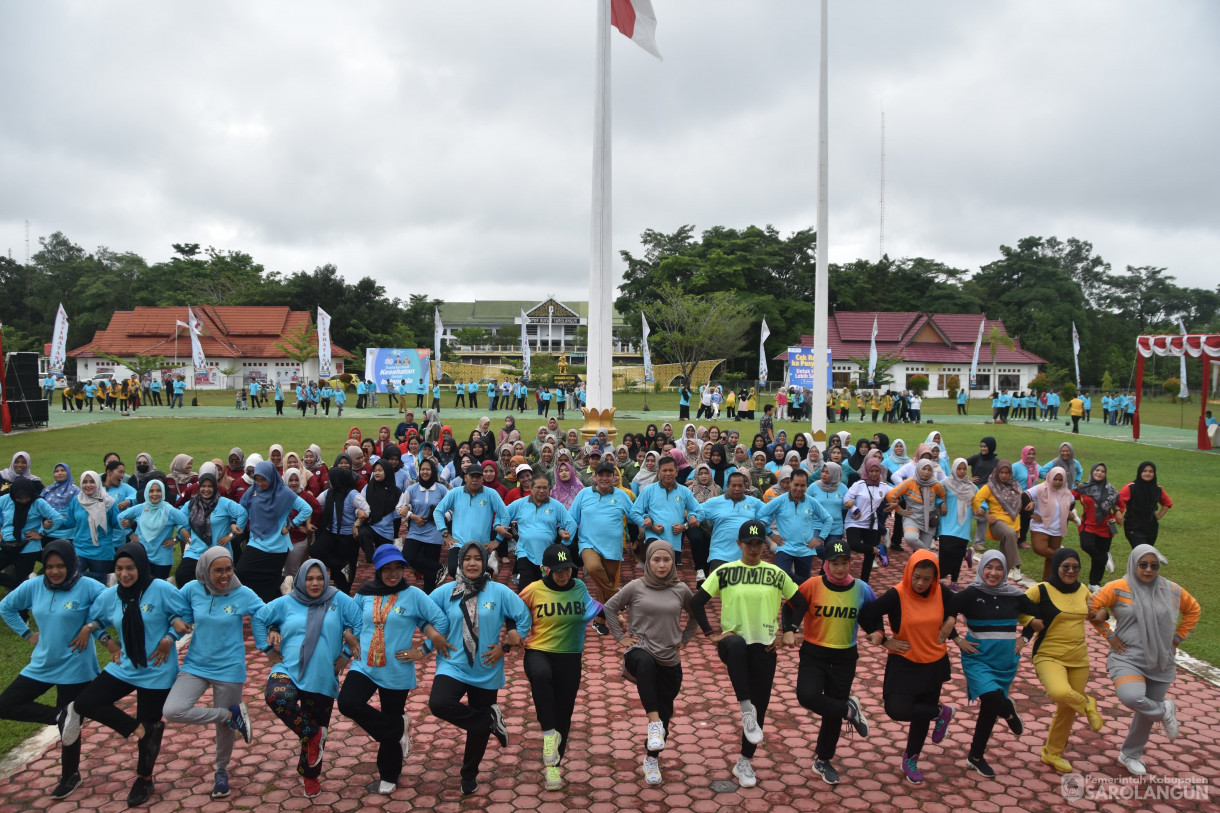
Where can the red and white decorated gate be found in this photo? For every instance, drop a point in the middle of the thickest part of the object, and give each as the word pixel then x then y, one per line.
pixel 1195 345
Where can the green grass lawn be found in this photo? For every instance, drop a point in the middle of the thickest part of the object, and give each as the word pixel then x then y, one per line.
pixel 1190 477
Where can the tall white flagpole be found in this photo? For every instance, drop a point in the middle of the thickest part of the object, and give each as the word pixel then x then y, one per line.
pixel 599 389
pixel 821 296
pixel 1183 390
pixel 1076 354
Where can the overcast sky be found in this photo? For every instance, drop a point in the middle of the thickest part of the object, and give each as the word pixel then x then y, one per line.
pixel 445 148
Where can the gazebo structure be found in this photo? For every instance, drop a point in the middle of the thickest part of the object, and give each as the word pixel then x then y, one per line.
pixel 1196 345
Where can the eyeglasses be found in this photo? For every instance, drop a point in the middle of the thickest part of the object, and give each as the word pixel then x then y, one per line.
pixel 1148 565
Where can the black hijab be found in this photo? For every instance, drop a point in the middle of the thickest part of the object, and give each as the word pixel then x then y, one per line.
pixel 1061 556
pixel 342 483
pixel 1145 497
pixel 23 487
pixel 376 587
pixel 719 470
pixel 133 620
pixel 883 442
pixel 427 482
pixel 382 497
pixel 65 551
pixel 201 509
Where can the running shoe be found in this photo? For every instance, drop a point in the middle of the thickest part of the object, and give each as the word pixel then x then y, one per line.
pixel 380 788
pixel 700 575
pixel 554 779
pixel 652 771
pixel 969 556
pixel 314 749
pixel 824 769
pixel 1109 562
pixel 656 736
pixel 66 786
pixel 405 742
pixel 1134 765
pixel 312 787
pixel 1094 588
pixel 469 786
pixel 239 721
pixel 749 726
pixel 600 628
pixel 69 725
pixel 550 749
pixel 1014 719
pixel 498 727
pixel 910 769
pixel 220 784
pixel 883 557
pixel 1170 721
pixel 140 793
pixel 744 772
pixel 941 725
pixel 855 716
pixel 980 765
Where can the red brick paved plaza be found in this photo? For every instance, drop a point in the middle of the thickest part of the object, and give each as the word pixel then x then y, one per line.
pixel 602 769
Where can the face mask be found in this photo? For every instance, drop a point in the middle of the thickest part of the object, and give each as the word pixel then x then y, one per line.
pixel 142 468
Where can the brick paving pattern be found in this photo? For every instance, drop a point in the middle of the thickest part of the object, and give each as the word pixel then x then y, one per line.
pixel 602 769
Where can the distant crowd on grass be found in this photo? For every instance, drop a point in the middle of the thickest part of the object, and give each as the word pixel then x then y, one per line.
pixel 495 529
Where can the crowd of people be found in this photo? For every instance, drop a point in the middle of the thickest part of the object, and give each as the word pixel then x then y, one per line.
pixel 497 528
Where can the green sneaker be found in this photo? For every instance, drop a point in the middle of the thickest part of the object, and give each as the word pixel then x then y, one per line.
pixel 554 780
pixel 550 749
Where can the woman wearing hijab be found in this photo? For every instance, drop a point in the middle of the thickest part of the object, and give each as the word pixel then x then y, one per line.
pixel 719 463
pixel 761 477
pixel 703 487
pixel 338 546
pixel 19 469
pixel 917 667
pixel 316 629
pixel 237 462
pixel 1026 472
pixel 316 472
pixel 1003 514
pixel 24 516
pixel 897 457
pixel 866 506
pixel 1052 510
pixel 1152 617
pixel 157 525
pixel 62 491
pixel 828 491
pixel 647 475
pixel 146 472
pixel 991 650
pixel 269 505
pixel 391 612
pixel 654 640
pixel 92 519
pixel 213 521
pixel 142 609
pixel 510 426
pixel 1061 654
pixel 245 482
pixel 562 608
pixel 813 463
pixel 216 603
pixel 422 540
pixel 302 535
pixel 472 663
pixel 1066 461
pixel 181 478
pixel 955 533
pixel 923 503
pixel 63 655
pixel 983 463
pixel 1141 505
pixel 491 479
pixel 567 483
pixel 375 515
pixel 1098 504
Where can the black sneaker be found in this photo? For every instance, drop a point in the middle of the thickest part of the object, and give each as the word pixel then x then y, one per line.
pixel 824 769
pixel 469 786
pixel 498 727
pixel 140 793
pixel 980 765
pixel 1014 719
pixel 600 628
pixel 855 716
pixel 65 787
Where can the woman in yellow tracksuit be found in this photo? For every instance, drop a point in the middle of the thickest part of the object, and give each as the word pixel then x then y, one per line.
pixel 1061 653
pixel 1003 515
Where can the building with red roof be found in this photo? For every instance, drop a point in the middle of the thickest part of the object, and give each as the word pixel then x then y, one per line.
pixel 938 345
pixel 231 336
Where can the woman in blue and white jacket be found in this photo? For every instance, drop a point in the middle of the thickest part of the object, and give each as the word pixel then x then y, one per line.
pixel 216 603
pixel 269 504
pixel 336 530
pixel 156 523
pixel 316 629
pixel 213 520
pixel 63 656
pixel 24 516
pixel 91 522
pixel 143 610
pixel 422 540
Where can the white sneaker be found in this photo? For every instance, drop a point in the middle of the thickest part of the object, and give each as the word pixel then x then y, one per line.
pixel 1109 563
pixel 111 580
pixel 700 575
pixel 744 772
pixel 286 586
pixel 1170 720
pixel 656 736
pixel 750 727
pixel 1134 766
pixel 493 562
pixel 1095 588
pixel 1015 574
pixel 652 771
pixel 405 742
pixel 70 732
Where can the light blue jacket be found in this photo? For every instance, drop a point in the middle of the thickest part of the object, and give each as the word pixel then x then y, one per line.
pixel 412 611
pixel 159 606
pixel 226 513
pixel 798 523
pixel 288 615
pixel 600 520
pixel 726 518
pixel 538 525
pixel 497 604
pixel 218 646
pixel 669 508
pixel 59 614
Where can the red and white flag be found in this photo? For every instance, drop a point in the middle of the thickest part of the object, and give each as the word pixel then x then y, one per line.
pixel 637 21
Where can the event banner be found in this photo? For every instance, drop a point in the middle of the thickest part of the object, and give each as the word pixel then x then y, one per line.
pixel 802 366
pixel 397 365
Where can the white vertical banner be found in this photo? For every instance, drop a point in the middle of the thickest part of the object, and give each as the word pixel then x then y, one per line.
pixel 974 362
pixel 1183 392
pixel 525 349
pixel 872 355
pixel 648 377
pixel 59 342
pixel 324 359
pixel 438 330
pixel 1076 353
pixel 762 351
pixel 194 326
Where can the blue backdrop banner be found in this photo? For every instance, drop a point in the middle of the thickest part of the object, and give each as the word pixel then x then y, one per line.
pixel 397 364
pixel 802 366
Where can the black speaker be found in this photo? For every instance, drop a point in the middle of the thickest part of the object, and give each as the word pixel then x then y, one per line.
pixel 28 413
pixel 21 376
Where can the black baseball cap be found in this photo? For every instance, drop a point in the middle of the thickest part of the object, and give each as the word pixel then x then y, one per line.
pixel 474 468
pixel 752 531
pixel 557 557
pixel 605 465
pixel 835 549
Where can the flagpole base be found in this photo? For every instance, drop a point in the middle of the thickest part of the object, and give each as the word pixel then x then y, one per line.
pixel 597 420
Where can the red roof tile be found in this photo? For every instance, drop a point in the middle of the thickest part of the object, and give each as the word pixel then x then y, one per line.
pixel 228 332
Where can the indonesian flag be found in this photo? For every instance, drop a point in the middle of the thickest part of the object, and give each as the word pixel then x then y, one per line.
pixel 637 21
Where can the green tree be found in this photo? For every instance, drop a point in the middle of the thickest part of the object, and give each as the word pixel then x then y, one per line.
pixel 140 365
pixel 301 344
pixel 471 336
pixel 995 338
pixel 882 375
pixel 688 329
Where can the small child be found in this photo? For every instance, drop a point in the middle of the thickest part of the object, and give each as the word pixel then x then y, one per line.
pixel 241 399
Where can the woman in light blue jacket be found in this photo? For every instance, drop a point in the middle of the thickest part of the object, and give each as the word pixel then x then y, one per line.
pixel 92 523
pixel 24 515
pixel 269 503
pixel 955 522
pixel 156 523
pixel 213 521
